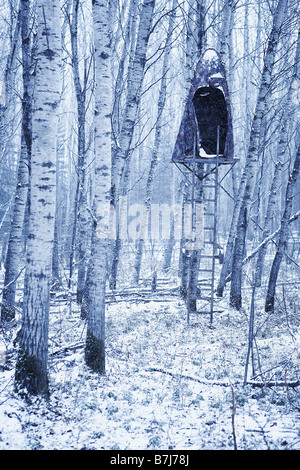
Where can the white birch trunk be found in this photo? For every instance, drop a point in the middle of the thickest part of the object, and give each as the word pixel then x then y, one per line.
pixel 248 178
pixel 227 21
pixel 133 95
pixel 122 147
pixel 157 142
pixel 235 240
pixel 96 277
pixel 190 259
pixel 81 224
pixel 31 368
pixel 268 220
pixel 283 234
pixel 12 263
pixel 8 98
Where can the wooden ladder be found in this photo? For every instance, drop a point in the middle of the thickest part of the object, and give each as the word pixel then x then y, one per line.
pixel 209 253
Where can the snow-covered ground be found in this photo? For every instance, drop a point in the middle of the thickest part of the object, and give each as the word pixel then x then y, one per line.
pixel 168 385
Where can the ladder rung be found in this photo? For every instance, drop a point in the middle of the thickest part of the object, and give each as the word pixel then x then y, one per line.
pixel 209 256
pixel 205 270
pixel 209 186
pixel 209 213
pixel 209 200
pixel 208 299
pixel 209 228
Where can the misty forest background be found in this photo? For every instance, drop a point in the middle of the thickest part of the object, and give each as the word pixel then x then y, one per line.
pixel 91 99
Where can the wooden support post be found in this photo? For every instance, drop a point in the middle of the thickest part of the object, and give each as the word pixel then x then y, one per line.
pixel 215 228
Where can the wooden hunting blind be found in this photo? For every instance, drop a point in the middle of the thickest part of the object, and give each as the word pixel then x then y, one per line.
pixel 207 108
pixel 205 138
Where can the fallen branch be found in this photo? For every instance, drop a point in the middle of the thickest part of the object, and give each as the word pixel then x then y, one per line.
pixel 275 384
pixel 67 349
pixel 226 384
pixel 188 377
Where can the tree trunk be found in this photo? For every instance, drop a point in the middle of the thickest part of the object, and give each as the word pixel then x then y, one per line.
pixel 191 258
pixel 283 235
pixel 252 156
pixel 97 270
pixel 157 139
pixel 226 26
pixel 133 95
pixel 268 219
pixel 248 176
pixel 238 255
pixel 169 246
pixel 265 242
pixel 81 214
pixel 8 96
pixel 31 368
pixel 12 263
pixel 122 151
pixel 56 280
pixel 127 51
pixel 286 126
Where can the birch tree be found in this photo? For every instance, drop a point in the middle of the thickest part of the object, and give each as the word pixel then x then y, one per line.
pixel 12 263
pixel 97 270
pixel 287 124
pixel 81 86
pixel 283 234
pixel 122 151
pixel 157 140
pixel 128 54
pixel 8 105
pixel 31 368
pixel 134 91
pixel 194 195
pixel 268 218
pixel 248 177
pixel 251 153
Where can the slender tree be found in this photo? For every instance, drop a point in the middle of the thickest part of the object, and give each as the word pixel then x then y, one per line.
pixel 12 263
pixel 285 126
pixel 135 82
pixel 122 152
pixel 283 234
pixel 31 369
pixel 268 218
pixel 157 140
pixel 97 271
pixel 252 146
pixel 248 177
pixel 196 39
pixel 81 85
pixel 8 102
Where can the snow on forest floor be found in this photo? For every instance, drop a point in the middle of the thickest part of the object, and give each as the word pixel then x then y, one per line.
pixel 168 385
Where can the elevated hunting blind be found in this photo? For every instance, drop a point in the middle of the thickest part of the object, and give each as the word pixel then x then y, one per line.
pixel 204 142
pixel 207 108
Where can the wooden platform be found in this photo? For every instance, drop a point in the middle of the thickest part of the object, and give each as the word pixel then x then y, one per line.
pixel 209 161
